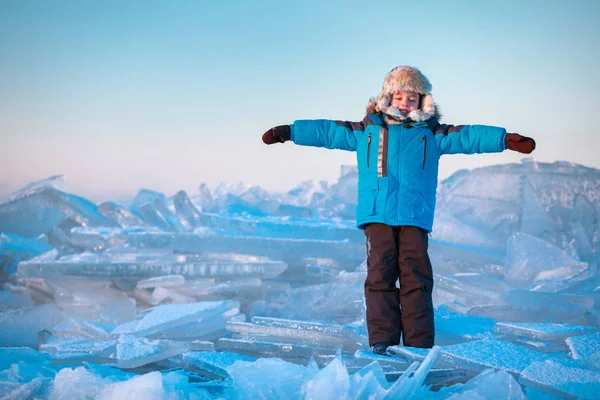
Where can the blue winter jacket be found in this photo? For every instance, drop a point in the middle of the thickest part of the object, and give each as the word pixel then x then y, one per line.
pixel 397 163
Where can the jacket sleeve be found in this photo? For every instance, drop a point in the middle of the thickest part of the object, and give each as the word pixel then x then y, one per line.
pixel 470 139
pixel 326 133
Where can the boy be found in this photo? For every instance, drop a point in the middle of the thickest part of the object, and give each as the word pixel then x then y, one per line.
pixel 398 146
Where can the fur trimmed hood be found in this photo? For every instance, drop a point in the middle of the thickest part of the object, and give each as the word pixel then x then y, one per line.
pixel 405 79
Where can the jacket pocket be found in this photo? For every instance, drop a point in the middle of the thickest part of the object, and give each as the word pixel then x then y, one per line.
pixel 424 198
pixel 367 197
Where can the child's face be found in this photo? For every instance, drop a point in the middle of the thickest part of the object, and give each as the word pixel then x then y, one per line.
pixel 405 102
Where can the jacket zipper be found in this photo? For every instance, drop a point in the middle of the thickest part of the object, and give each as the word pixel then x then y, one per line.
pixel 368 150
pixel 424 139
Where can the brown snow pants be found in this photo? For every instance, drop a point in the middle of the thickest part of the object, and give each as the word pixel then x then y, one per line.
pixel 399 252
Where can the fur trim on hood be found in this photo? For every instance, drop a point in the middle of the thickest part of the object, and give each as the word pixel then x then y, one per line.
pixel 405 79
pixel 397 117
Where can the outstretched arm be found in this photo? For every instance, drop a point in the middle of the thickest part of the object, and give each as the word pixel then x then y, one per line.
pixel 471 139
pixel 330 134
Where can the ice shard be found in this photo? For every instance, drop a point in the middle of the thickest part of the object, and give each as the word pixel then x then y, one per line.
pixel 541 331
pixel 161 281
pixel 146 265
pixel 262 348
pixel 119 215
pixel 186 212
pixel 166 317
pixel 534 262
pixel 102 238
pixel 296 335
pixel 334 302
pixel 212 364
pixel 289 229
pixel 268 378
pixel 363 358
pixel 534 219
pixel 78 345
pixel 331 382
pixel 133 352
pixel 158 215
pixel 489 385
pixel 14 249
pixel 561 380
pixel 529 306
pixel 291 250
pixel 20 327
pixel 491 353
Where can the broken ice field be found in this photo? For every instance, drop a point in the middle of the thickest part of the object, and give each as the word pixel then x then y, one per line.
pixel 242 293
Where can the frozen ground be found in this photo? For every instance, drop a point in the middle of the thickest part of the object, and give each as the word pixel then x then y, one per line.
pixel 239 293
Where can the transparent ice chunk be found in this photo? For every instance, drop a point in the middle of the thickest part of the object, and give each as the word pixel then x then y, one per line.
pixel 268 378
pixel 541 331
pixel 20 327
pixel 28 212
pixel 331 382
pixel 102 238
pixel 158 215
pixel 145 265
pixel 186 212
pixel 165 317
pixel 291 250
pixel 11 301
pixel 89 346
pixel 212 364
pixel 161 295
pixel 529 306
pixel 365 357
pixel 25 391
pixel 263 348
pixel 201 345
pixel 14 249
pixel 119 215
pixel 532 261
pixel 534 219
pixel 314 338
pixel 133 352
pixel 489 385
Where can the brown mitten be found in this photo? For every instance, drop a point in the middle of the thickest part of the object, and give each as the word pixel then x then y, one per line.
pixel 279 134
pixel 522 144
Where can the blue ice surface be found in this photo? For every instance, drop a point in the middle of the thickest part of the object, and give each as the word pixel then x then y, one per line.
pixel 11 355
pixel 560 380
pixel 584 346
pixel 468 326
pixel 18 248
pixel 491 353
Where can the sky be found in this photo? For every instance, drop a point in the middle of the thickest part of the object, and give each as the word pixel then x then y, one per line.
pixel 123 95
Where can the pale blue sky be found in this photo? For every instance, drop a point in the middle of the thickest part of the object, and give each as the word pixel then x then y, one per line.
pixel 122 95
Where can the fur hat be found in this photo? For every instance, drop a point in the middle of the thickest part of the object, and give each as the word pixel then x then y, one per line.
pixel 405 79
